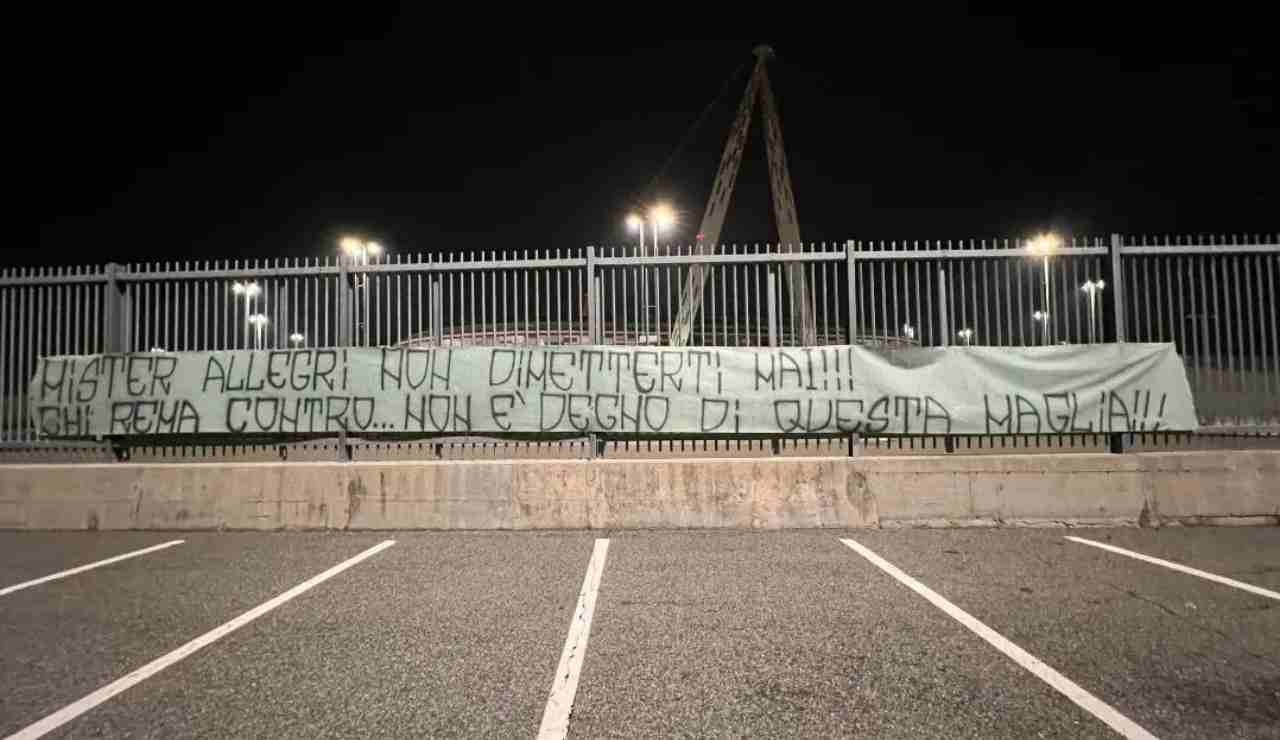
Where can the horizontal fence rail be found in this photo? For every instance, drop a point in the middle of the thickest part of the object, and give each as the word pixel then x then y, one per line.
pixel 1214 297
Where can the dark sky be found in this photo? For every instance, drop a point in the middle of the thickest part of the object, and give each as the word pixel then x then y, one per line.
pixel 245 135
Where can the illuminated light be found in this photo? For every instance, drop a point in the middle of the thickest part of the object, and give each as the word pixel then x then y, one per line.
pixel 351 245
pixel 374 248
pixel 662 215
pixel 634 222
pixel 1044 244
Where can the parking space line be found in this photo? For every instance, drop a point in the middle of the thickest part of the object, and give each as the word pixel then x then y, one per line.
pixel 1068 688
pixel 71 711
pixel 555 720
pixel 1182 568
pixel 90 566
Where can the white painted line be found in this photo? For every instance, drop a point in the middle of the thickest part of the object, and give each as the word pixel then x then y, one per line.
pixel 71 711
pixel 90 566
pixel 1182 568
pixel 555 720
pixel 1068 688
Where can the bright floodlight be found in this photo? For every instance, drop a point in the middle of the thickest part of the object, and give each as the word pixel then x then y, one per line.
pixel 374 248
pixel 1041 315
pixel 252 289
pixel 662 215
pixel 1044 244
pixel 351 245
pixel 237 288
pixel 965 333
pixel 634 222
pixel 296 337
pixel 258 319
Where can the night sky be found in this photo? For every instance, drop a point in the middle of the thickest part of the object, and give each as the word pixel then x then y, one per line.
pixel 200 137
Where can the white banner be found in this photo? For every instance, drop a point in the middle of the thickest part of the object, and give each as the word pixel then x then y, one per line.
pixel 618 390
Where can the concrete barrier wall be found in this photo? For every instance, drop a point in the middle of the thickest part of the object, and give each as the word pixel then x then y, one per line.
pixel 1148 489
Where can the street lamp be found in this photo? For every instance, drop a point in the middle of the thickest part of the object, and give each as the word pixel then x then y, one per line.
pixel 661 216
pixel 296 339
pixel 966 334
pixel 360 251
pixel 1042 246
pixel 635 223
pixel 248 290
pixel 1043 316
pixel 259 320
pixel 1092 288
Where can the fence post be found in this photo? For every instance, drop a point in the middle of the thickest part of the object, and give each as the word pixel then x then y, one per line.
pixel 1115 286
pixel 942 307
pixel 771 296
pixel 117 337
pixel 850 258
pixel 593 318
pixel 1115 283
pixel 115 310
pixel 437 312
pixel 344 303
pixel 343 338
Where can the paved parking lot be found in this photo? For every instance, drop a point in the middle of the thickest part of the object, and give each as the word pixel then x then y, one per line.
pixel 958 633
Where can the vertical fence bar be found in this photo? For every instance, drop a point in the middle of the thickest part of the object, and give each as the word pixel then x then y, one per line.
pixel 772 300
pixel 893 293
pixel 851 283
pixel 25 296
pixel 345 303
pixel 1271 309
pixel 1237 325
pixel 987 266
pixel 437 310
pixel 1217 324
pixel 1118 289
pixel 943 325
pixel 6 355
pixel 593 317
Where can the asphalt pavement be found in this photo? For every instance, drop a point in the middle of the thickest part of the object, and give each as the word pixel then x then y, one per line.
pixel 692 634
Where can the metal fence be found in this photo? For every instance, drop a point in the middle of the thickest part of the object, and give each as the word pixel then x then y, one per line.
pixel 1214 297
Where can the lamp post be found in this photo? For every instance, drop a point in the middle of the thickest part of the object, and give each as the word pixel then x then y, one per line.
pixel 360 250
pixel 248 290
pixel 966 334
pixel 1043 246
pixel 1043 317
pixel 259 320
pixel 1092 288
pixel 661 216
